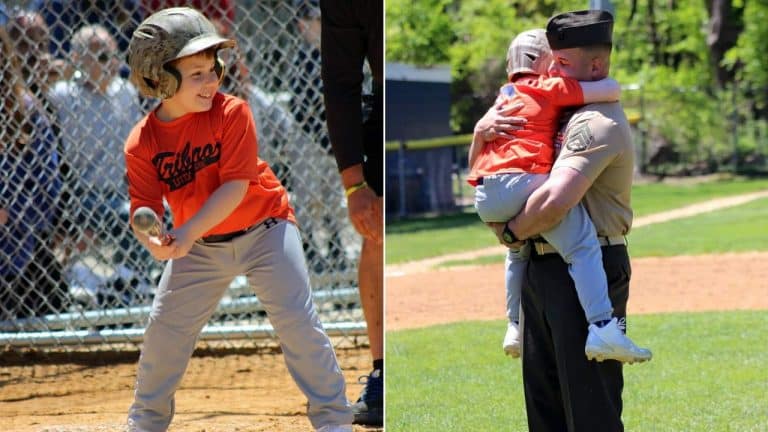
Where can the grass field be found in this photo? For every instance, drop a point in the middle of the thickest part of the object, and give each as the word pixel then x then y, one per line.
pixel 423 238
pixel 708 374
pixel 737 229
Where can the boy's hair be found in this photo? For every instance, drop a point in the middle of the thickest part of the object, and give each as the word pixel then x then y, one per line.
pixel 168 35
pixel 529 53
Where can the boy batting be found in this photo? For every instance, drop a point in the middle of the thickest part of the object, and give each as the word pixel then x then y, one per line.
pixel 198 150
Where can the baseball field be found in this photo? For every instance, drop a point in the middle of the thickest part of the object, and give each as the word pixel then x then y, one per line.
pixel 698 299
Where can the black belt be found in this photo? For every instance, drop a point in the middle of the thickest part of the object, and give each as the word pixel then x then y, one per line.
pixel 219 238
pixel 479 181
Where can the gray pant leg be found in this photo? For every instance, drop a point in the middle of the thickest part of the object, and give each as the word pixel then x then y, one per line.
pixel 576 241
pixel 277 272
pixel 189 291
pixel 515 264
pixel 499 199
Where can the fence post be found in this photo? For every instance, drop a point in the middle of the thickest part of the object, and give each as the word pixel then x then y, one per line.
pixel 735 130
pixel 457 169
pixel 643 132
pixel 401 174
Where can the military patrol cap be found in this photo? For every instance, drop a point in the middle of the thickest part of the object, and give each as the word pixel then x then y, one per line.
pixel 165 36
pixel 580 29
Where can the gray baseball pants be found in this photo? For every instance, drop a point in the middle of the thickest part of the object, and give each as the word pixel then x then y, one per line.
pixel 271 257
pixel 501 197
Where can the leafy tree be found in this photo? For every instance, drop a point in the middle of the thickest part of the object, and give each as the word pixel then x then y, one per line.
pixel 697 69
pixel 419 32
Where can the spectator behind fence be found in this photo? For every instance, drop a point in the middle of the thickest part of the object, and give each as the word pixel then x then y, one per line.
pixel 95 111
pixel 316 197
pixel 220 12
pixel 30 37
pixel 30 275
pixel 305 81
pixel 120 18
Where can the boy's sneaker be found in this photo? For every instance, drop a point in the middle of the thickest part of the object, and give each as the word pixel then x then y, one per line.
pixel 335 428
pixel 610 343
pixel 369 409
pixel 511 342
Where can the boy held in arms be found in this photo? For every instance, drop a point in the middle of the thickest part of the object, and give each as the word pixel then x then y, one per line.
pixel 506 171
pixel 198 151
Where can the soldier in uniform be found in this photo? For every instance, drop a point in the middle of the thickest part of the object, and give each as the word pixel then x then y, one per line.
pixel 563 389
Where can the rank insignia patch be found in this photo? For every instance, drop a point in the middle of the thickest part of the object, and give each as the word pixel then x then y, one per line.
pixel 579 138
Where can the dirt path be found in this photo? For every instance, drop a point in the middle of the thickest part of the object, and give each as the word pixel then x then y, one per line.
pixel 419 294
pixel 683 283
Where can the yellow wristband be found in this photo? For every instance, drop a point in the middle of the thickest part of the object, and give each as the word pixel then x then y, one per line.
pixel 354 188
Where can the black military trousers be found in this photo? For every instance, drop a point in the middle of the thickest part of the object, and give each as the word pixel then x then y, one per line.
pixel 563 390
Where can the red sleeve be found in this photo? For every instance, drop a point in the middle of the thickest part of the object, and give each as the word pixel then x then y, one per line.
pixel 239 146
pixel 144 187
pixel 564 92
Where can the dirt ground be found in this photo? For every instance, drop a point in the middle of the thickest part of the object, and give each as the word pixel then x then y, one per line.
pixel 232 393
pixel 417 298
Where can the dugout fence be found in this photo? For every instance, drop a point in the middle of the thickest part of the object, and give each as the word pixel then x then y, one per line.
pixel 73 276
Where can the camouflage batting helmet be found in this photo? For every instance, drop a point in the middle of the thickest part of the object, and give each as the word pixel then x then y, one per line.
pixel 529 53
pixel 165 36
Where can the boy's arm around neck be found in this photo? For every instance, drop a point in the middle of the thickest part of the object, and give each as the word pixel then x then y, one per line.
pixel 604 90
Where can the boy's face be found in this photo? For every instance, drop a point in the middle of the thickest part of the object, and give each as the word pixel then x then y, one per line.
pixel 199 83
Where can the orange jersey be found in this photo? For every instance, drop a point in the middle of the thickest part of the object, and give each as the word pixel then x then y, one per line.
pixel 187 159
pixel 532 151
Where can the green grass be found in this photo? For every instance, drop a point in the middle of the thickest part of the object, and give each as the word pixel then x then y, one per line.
pixel 736 229
pixel 423 238
pixel 652 198
pixel 708 374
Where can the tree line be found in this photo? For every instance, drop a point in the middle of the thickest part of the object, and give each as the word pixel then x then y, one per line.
pixel 695 73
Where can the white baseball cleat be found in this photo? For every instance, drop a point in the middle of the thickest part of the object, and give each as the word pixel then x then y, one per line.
pixel 511 342
pixel 336 428
pixel 610 343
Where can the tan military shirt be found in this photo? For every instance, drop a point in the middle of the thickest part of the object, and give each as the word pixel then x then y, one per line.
pixel 597 142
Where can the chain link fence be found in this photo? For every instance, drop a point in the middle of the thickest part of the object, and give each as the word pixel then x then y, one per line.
pixel 73 276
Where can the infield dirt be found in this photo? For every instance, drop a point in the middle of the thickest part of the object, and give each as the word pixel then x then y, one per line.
pixel 232 393
pixel 674 284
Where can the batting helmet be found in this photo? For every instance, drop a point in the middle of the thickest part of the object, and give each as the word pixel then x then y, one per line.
pixel 165 36
pixel 529 53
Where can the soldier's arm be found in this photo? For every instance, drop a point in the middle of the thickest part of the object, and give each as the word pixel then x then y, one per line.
pixel 548 204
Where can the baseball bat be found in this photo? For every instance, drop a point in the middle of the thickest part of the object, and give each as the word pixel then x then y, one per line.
pixel 146 221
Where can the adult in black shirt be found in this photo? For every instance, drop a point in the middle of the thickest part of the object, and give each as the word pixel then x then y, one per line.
pixel 353 31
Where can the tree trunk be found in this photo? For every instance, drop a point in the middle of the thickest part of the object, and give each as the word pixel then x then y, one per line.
pixel 725 25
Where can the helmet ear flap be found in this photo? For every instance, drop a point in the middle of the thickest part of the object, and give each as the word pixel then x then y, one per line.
pixel 170 81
